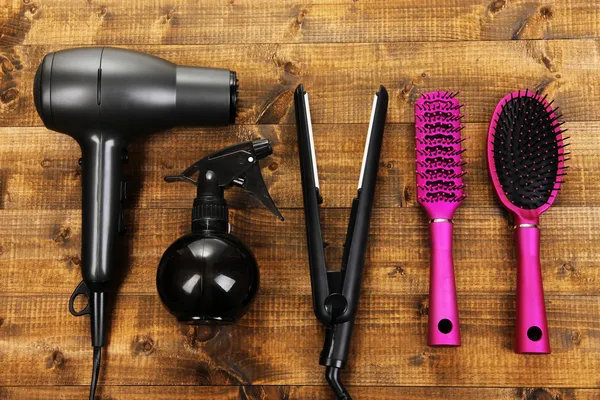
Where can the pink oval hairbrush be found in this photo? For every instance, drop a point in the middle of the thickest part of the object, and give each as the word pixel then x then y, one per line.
pixel 526 163
pixel 440 192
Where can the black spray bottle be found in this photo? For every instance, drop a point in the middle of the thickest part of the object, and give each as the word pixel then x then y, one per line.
pixel 209 276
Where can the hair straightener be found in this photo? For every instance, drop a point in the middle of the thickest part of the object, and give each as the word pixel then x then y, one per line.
pixel 336 293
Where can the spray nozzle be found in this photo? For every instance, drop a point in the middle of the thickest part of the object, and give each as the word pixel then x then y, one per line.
pixel 235 165
pixel 262 148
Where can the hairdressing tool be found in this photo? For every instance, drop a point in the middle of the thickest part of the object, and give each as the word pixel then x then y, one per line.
pixel 526 159
pixel 104 98
pixel 336 293
pixel 209 276
pixel 440 192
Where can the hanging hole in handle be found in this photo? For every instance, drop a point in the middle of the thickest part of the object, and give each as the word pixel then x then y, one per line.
pixel 534 333
pixel 80 290
pixel 445 326
pixel 80 303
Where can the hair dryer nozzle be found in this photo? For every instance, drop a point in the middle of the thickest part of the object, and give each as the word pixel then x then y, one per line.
pixel 37 89
pixel 206 96
pixel 233 93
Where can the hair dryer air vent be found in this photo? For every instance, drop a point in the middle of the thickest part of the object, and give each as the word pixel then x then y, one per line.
pixel 37 90
pixel 233 90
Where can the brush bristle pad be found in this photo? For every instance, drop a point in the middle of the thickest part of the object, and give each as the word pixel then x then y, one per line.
pixel 528 150
pixel 438 148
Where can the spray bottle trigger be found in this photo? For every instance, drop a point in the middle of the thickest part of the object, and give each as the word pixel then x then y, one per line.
pixel 180 178
pixel 255 184
pixel 185 176
pixel 82 290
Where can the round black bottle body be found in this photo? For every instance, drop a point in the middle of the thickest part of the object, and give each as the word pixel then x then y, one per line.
pixel 208 278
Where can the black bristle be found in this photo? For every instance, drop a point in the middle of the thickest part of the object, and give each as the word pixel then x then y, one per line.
pixel 527 150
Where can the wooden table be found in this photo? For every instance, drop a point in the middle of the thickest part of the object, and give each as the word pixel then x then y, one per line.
pixel 341 51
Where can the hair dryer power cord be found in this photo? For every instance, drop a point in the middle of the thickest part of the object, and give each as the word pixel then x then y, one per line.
pixel 95 371
pixel 332 374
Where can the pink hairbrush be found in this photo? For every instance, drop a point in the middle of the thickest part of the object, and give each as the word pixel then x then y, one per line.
pixel 440 192
pixel 526 163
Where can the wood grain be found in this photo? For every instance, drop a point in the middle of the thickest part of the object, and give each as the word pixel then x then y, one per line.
pixel 341 90
pixel 39 168
pixel 242 21
pixel 41 253
pixel 341 51
pixel 278 342
pixel 295 393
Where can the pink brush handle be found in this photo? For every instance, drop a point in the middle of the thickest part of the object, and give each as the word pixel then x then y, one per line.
pixel 531 334
pixel 443 327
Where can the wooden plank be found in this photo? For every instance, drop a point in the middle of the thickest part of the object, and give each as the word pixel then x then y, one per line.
pixel 341 89
pixel 341 51
pixel 41 250
pixel 294 393
pixel 39 168
pixel 241 21
pixel 149 347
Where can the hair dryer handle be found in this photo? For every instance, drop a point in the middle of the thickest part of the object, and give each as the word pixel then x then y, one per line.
pixel 102 221
pixel 443 324
pixel 103 193
pixel 531 333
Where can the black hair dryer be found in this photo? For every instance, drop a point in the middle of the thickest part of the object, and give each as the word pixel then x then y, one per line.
pixel 104 98
pixel 209 276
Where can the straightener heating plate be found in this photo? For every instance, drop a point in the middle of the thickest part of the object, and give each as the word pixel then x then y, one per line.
pixel 368 141
pixel 312 143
